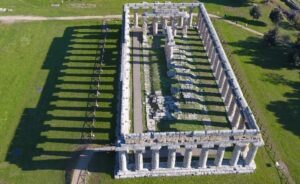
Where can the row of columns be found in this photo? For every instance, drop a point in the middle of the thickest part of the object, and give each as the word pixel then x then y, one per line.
pixel 223 80
pixel 189 18
pixel 203 157
pixel 173 25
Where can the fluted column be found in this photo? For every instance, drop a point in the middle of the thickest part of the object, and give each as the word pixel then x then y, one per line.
pixel 204 155
pixel 123 161
pixel 155 26
pixel 181 21
pixel 185 29
pixel 191 17
pixel 164 23
pixel 236 154
pixel 145 29
pixel 174 26
pixel 220 154
pixel 172 156
pixel 252 152
pixel 187 160
pixel 139 158
pixel 136 18
pixel 155 157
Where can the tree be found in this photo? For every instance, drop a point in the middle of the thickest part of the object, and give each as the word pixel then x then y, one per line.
pixel 255 12
pixel 276 16
pixel 294 57
pixel 271 37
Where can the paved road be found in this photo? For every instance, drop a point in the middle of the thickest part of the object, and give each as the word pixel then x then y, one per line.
pixel 137 96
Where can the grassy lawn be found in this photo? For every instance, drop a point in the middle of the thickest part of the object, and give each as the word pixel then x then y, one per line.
pixel 70 7
pixel 44 85
pixel 273 86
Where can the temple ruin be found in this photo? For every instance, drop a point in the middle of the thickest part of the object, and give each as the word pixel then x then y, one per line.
pixel 142 149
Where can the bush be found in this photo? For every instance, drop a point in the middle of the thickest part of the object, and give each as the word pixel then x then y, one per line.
pixel 255 12
pixel 294 57
pixel 296 21
pixel 271 37
pixel 276 16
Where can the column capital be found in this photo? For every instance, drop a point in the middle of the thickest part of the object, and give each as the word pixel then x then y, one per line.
pixel 122 149
pixel 173 147
pixel 155 147
pixel 138 148
pixel 190 146
pixel 208 145
pixel 224 145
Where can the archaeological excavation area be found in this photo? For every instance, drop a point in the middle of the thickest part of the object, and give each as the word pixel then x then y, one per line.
pixel 181 110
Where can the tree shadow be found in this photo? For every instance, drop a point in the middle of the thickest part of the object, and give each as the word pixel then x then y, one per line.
pixel 258 51
pixel 287 111
pixel 230 3
pixel 246 21
pixel 48 136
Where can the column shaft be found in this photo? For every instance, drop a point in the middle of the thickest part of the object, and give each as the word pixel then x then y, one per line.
pixel 171 158
pixel 219 157
pixel 203 157
pixel 187 158
pixel 235 155
pixel 251 154
pixel 155 159
pixel 122 161
pixel 138 160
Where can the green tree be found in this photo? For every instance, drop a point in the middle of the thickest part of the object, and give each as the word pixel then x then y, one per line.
pixel 276 16
pixel 271 37
pixel 255 12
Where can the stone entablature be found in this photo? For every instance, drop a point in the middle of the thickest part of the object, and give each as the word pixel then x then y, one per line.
pixel 193 137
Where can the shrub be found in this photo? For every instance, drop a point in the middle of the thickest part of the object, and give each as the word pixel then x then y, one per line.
pixel 271 37
pixel 276 16
pixel 255 12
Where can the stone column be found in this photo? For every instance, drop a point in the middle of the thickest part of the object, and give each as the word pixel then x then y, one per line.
pixel 236 118
pixel 136 18
pixel 145 30
pixel 123 160
pixel 139 158
pixel 181 21
pixel 172 156
pixel 220 154
pixel 204 155
pixel 155 26
pixel 236 154
pixel 164 23
pixel 155 157
pixel 174 26
pixel 191 17
pixel 252 152
pixel 187 160
pixel 185 29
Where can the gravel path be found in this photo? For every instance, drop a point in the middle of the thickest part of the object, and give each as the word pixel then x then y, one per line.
pixel 137 96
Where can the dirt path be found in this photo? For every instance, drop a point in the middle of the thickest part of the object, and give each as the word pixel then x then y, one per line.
pixel 137 96
pixel 236 24
pixel 25 18
pixel 79 173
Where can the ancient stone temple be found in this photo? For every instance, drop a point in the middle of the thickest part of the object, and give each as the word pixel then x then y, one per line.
pixel 173 153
